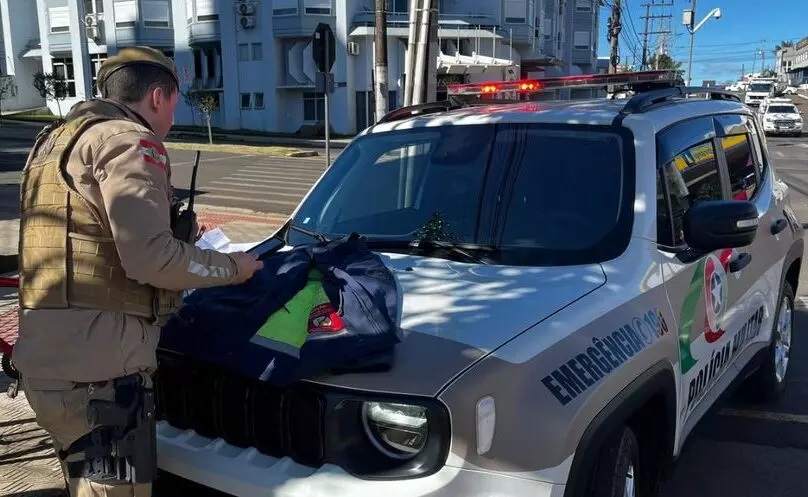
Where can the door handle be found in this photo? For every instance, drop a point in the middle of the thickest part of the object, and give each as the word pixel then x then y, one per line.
pixel 741 262
pixel 779 226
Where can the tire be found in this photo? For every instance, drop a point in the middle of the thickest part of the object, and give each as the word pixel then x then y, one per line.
pixel 618 467
pixel 768 383
pixel 9 369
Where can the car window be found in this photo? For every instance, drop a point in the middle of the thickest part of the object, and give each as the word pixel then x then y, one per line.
pixel 690 177
pixel 559 173
pixel 759 144
pixel 781 109
pixel 740 165
pixel 526 191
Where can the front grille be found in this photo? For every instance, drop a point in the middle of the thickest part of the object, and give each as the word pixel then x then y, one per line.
pixel 784 123
pixel 215 403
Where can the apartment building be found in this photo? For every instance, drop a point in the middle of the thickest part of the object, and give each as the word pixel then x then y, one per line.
pixel 255 55
pixel 783 63
pixel 798 74
pixel 17 72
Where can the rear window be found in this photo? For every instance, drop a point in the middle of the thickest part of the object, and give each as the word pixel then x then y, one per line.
pixel 537 194
pixel 781 109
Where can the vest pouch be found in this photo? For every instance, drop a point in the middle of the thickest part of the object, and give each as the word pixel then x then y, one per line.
pixel 166 303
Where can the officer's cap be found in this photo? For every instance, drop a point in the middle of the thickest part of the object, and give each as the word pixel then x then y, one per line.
pixel 135 55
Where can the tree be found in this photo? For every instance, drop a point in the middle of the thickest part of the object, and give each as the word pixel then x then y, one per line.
pixel 664 61
pixel 205 102
pixel 51 85
pixel 7 89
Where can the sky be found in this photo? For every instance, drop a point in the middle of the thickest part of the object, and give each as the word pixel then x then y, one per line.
pixel 723 47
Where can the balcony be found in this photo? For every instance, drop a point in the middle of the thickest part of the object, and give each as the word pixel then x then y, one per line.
pixel 204 31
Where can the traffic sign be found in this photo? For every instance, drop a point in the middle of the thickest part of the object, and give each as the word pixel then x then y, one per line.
pixel 323 47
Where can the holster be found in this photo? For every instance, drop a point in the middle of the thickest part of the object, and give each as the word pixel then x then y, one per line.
pixel 121 446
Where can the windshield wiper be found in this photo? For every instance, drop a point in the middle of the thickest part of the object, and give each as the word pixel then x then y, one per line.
pixel 314 234
pixel 465 251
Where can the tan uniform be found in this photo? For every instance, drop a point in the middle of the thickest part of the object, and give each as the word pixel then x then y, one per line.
pixel 120 169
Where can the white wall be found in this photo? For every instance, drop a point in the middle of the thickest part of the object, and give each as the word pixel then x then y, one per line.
pixel 14 37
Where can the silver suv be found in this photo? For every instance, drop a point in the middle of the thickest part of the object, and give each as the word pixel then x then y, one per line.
pixel 605 270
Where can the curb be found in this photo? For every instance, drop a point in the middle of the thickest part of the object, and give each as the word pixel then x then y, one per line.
pixel 310 153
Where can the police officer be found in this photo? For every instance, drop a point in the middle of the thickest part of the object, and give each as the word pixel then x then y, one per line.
pixel 100 271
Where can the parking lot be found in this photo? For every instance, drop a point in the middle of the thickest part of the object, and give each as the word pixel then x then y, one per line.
pixel 739 450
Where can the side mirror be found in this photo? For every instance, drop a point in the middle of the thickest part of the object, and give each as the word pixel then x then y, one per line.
pixel 720 224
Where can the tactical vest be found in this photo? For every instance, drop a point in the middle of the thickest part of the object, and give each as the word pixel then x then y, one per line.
pixel 67 253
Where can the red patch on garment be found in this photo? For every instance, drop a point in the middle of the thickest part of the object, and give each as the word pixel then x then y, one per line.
pixel 325 319
pixel 153 153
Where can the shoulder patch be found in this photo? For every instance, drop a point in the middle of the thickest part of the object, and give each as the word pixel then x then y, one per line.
pixel 153 153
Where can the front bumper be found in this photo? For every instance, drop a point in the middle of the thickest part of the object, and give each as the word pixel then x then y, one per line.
pixel 248 473
pixel 772 128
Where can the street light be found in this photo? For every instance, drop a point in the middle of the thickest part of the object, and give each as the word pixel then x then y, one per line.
pixel 688 16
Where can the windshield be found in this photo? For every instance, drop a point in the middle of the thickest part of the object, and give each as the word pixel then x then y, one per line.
pixel 781 109
pixel 537 194
pixel 758 87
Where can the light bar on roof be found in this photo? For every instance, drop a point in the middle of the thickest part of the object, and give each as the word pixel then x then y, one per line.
pixel 584 81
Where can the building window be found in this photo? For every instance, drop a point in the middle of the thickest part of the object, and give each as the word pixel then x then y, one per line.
pixel 257 51
pixel 583 5
pixel 63 69
pixel 317 7
pixel 400 6
pixel 156 14
pixel 581 40
pixel 206 10
pixel 125 14
pixel 197 64
pixel 259 100
pixel 515 12
pixel 245 101
pixel 284 7
pixel 94 6
pixel 59 19
pixel 243 51
pixel 95 63
pixel 313 107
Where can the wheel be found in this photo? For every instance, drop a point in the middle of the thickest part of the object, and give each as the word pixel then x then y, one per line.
pixel 769 381
pixel 618 466
pixel 9 369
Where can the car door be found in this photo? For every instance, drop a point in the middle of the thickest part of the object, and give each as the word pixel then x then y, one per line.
pixel 707 292
pixel 750 177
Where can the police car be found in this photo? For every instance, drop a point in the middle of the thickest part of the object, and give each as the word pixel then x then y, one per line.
pixel 606 269
pixel 780 117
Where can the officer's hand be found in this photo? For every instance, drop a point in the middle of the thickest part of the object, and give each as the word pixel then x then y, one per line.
pixel 247 265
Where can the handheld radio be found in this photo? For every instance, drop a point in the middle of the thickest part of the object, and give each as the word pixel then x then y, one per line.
pixel 184 222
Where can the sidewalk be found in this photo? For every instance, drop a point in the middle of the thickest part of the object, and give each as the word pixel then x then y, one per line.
pixel 18 130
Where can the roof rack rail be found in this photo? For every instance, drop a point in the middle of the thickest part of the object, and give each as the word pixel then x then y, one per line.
pixel 643 101
pixel 451 103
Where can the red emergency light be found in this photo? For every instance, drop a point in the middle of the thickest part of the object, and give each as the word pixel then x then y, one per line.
pixel 584 81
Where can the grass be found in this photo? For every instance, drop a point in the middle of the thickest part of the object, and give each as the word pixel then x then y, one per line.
pixel 275 151
pixel 233 148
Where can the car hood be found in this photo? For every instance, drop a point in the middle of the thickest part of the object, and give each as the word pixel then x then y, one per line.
pixel 453 314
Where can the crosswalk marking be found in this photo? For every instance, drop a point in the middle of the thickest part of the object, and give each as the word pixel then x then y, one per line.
pixel 260 184
pixel 242 198
pixel 275 175
pixel 274 181
pixel 280 172
pixel 271 189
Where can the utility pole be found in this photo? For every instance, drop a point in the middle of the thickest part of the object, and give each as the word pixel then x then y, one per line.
pixel 612 36
pixel 433 49
pixel 645 37
pixel 648 17
pixel 381 60
pixel 409 60
pixel 690 57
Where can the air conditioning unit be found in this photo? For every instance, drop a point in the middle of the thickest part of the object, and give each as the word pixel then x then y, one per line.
pixel 247 22
pixel 246 8
pixel 90 20
pixel 353 48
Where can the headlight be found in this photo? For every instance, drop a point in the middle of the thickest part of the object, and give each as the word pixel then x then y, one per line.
pixel 384 437
pixel 399 431
pixel 769 119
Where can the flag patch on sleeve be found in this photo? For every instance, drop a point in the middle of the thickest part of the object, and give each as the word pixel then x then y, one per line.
pixel 153 153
